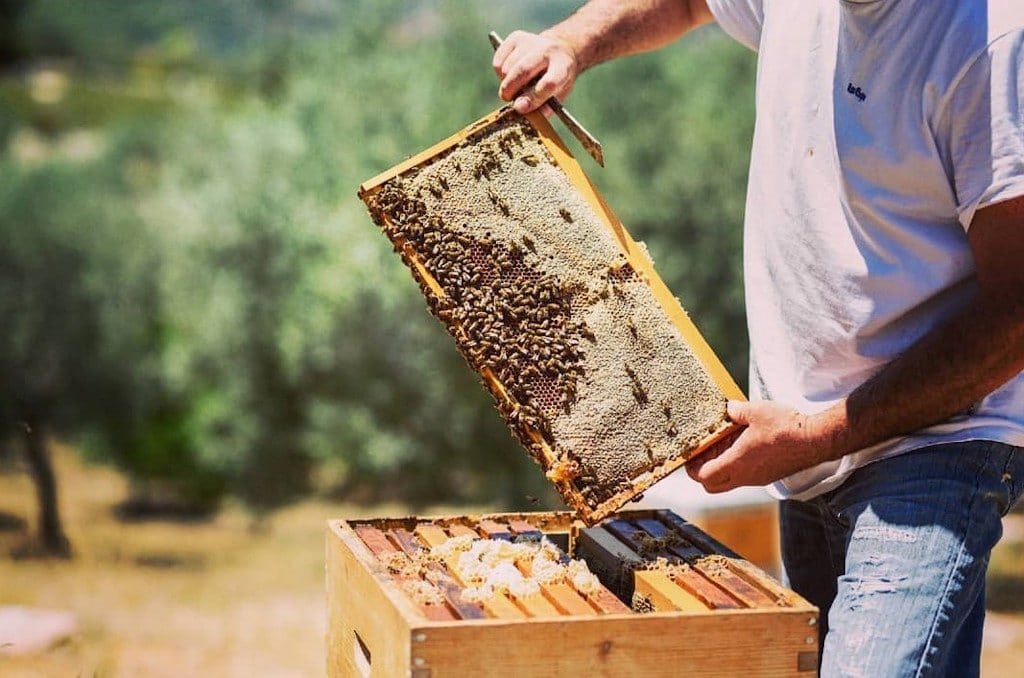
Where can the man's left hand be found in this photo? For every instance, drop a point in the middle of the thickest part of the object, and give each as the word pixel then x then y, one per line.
pixel 777 441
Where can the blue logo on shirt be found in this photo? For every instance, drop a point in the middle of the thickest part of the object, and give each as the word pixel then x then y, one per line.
pixel 856 91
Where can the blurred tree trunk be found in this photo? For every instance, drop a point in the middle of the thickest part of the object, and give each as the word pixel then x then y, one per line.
pixel 37 453
pixel 11 46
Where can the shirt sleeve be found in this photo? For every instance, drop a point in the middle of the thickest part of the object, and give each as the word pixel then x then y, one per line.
pixel 986 124
pixel 741 19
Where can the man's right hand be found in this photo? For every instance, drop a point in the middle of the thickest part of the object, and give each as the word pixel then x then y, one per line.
pixel 534 68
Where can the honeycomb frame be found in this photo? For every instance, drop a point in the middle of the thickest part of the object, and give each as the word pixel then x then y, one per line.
pixel 592 362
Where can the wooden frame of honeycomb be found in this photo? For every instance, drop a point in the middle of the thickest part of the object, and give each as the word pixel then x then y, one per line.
pixel 592 362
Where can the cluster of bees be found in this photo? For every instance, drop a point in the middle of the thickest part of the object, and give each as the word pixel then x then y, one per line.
pixel 649 545
pixel 511 323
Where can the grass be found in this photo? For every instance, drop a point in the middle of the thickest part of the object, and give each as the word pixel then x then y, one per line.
pixel 218 599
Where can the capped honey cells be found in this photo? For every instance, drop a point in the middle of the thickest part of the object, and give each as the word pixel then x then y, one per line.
pixel 586 367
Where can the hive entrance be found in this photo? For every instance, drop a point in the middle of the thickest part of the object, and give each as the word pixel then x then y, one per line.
pixel 592 364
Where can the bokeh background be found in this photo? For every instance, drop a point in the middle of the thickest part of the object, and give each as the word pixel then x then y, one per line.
pixel 207 348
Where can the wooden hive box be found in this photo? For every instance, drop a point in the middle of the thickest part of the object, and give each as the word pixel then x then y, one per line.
pixel 398 603
pixel 591 360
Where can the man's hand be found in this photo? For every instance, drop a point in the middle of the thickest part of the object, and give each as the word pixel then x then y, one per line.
pixel 598 31
pixel 525 56
pixel 777 442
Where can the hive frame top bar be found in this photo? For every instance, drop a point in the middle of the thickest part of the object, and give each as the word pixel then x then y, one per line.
pixel 549 523
pixel 437 149
pixel 640 262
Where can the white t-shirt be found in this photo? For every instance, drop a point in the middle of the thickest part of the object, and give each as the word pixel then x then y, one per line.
pixel 882 126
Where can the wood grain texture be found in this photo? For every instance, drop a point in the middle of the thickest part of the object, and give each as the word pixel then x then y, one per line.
pixel 726 644
pixel 664 594
pixel 352 590
pixel 567 599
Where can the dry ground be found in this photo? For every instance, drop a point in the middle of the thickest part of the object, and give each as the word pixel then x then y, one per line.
pixel 166 599
pixel 215 599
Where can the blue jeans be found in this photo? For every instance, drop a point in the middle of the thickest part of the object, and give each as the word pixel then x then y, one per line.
pixel 895 558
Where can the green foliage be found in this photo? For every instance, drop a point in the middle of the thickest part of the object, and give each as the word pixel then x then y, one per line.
pixel 107 35
pixel 79 353
pixel 206 300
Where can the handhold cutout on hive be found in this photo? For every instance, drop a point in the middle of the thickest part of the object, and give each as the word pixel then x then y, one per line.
pixel 592 362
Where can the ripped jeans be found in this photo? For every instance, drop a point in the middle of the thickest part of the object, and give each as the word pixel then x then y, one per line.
pixel 895 558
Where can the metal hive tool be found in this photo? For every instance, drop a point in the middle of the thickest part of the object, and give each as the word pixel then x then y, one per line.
pixel 591 360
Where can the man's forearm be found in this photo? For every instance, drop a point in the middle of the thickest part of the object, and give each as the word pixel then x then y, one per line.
pixel 943 374
pixel 602 30
pixel 532 68
pixel 951 368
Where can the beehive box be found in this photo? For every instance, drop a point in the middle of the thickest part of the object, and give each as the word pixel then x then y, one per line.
pixel 410 597
pixel 591 360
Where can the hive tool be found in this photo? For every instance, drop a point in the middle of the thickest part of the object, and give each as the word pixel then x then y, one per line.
pixel 591 144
